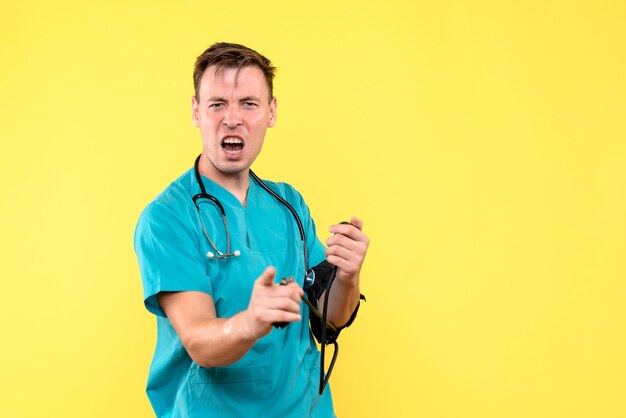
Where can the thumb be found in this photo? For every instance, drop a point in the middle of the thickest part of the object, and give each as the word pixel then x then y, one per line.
pixel 357 222
pixel 267 277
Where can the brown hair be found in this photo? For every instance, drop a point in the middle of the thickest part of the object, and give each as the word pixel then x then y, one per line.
pixel 225 55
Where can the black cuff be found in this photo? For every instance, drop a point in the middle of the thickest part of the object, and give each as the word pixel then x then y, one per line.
pixel 324 272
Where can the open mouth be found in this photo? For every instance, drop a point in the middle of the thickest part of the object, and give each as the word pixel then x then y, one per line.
pixel 232 145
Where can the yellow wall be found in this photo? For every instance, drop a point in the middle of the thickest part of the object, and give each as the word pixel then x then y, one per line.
pixel 483 142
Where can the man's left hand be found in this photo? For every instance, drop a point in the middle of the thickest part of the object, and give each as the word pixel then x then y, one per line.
pixel 347 248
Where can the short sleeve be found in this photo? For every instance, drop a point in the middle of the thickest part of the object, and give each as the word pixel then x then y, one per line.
pixel 168 255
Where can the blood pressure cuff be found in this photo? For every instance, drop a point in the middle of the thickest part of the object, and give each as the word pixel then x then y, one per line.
pixel 325 272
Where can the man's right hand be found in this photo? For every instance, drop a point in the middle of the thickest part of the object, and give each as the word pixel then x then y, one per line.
pixel 215 342
pixel 271 303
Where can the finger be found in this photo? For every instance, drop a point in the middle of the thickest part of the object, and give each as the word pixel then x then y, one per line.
pixel 297 291
pixel 282 316
pixel 348 230
pixel 346 267
pixel 267 277
pixel 347 242
pixel 354 240
pixel 282 304
pixel 343 252
pixel 275 316
pixel 292 291
pixel 279 311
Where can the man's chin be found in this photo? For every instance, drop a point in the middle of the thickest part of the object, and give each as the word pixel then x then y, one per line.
pixel 234 169
pixel 224 168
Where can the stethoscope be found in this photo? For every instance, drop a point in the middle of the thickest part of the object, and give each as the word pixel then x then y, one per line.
pixel 309 275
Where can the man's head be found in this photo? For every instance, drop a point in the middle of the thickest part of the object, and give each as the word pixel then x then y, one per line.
pixel 223 55
pixel 233 106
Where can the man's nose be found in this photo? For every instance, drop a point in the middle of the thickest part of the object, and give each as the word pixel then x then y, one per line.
pixel 232 118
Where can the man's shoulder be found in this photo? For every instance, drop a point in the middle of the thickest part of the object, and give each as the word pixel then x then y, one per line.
pixel 178 191
pixel 176 197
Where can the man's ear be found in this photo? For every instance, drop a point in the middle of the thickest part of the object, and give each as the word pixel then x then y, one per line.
pixel 194 111
pixel 273 108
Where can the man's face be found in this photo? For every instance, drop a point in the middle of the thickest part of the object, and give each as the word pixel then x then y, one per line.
pixel 233 111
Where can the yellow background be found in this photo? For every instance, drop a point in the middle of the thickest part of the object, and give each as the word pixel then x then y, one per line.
pixel 483 143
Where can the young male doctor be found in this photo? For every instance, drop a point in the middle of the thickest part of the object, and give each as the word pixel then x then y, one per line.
pixel 211 278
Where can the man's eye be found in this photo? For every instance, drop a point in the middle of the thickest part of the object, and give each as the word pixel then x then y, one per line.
pixel 249 104
pixel 216 105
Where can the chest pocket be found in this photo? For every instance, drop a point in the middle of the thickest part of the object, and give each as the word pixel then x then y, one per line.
pixel 229 392
pixel 270 230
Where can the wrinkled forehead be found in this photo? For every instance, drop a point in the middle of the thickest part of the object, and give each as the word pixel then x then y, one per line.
pixel 222 80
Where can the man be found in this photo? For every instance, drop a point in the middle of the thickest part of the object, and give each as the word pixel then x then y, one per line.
pixel 211 248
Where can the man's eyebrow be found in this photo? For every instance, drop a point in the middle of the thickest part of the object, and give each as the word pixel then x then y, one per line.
pixel 249 99
pixel 216 99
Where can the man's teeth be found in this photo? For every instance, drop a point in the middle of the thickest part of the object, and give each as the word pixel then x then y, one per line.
pixel 232 146
pixel 233 141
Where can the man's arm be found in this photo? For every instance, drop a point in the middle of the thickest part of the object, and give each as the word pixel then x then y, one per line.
pixel 215 342
pixel 346 250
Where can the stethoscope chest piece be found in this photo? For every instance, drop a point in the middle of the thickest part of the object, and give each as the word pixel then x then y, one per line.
pixel 221 255
pixel 309 279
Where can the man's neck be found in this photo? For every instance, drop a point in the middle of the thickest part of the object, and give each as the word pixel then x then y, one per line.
pixel 236 183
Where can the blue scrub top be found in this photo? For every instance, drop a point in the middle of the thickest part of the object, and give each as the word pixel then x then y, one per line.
pixel 279 376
